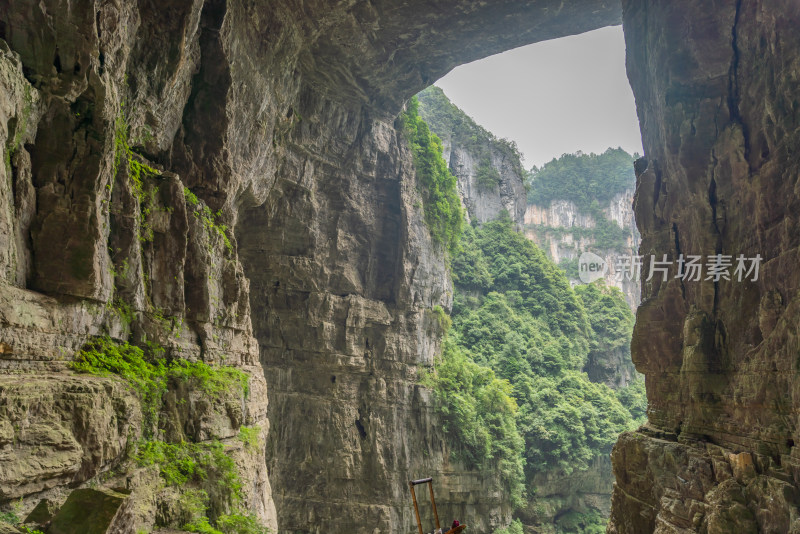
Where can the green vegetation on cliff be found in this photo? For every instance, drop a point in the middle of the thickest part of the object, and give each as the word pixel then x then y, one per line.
pixel 590 181
pixel 441 205
pixel 582 178
pixel 511 369
pixel 205 474
pixel 124 155
pixel 17 133
pixel 605 235
pixel 479 414
pixel 149 373
pixel 449 122
pixel 514 528
pixel 609 315
pixel 487 176
pixel 510 384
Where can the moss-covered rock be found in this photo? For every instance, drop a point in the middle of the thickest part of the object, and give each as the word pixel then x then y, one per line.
pixel 87 511
pixel 42 512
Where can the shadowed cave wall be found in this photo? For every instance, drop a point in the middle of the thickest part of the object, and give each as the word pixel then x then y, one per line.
pixel 717 96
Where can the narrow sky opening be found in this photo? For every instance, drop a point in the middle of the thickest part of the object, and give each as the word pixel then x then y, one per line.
pixel 553 97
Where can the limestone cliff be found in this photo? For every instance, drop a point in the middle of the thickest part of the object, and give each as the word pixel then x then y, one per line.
pixel 564 502
pixel 276 115
pixel 488 169
pixel 561 218
pixel 98 240
pixel 565 232
pixel 716 92
pixel 224 179
pixel 584 203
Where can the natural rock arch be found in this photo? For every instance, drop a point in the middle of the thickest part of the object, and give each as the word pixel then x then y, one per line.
pixel 714 91
pixel 280 116
pixel 350 292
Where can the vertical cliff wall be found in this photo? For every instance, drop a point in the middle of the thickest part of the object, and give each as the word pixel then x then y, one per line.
pixel 103 233
pixel 489 171
pixel 565 232
pixel 344 274
pixel 347 277
pixel 269 126
pixel 717 95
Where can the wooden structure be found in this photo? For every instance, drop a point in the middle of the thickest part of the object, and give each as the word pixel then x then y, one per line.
pixel 429 481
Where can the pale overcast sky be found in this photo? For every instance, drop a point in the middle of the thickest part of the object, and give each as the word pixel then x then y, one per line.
pixel 553 97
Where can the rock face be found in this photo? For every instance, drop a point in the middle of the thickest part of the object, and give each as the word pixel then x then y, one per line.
pixel 561 497
pixel 99 239
pixel 488 170
pixel 560 214
pixel 611 367
pixel 87 511
pixel 484 203
pixel 716 93
pixel 170 167
pixel 552 228
pixel 278 118
pixel 344 320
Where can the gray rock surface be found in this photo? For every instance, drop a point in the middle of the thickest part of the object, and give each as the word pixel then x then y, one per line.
pixel 543 226
pixel 716 93
pixel 149 146
pixel 279 117
pixel 488 170
pixel 485 203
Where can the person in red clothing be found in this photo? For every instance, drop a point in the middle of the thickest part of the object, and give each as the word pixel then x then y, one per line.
pixel 455 524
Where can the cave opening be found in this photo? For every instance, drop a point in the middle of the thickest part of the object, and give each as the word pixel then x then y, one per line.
pixel 560 106
pixel 227 185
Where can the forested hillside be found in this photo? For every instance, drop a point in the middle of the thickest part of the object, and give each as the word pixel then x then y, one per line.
pixel 522 383
pixel 574 203
pixel 583 202
pixel 582 178
pixel 511 381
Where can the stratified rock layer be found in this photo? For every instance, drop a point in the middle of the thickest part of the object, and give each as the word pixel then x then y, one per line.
pixel 717 97
pixel 99 238
pixel 278 116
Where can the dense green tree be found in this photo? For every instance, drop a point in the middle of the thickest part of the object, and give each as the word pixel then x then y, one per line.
pixel 582 178
pixel 441 204
pixel 480 417
pixel 487 176
pixel 509 383
pixel 609 316
pixel 517 321
pixel 469 266
pixel 519 268
pixel 567 420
